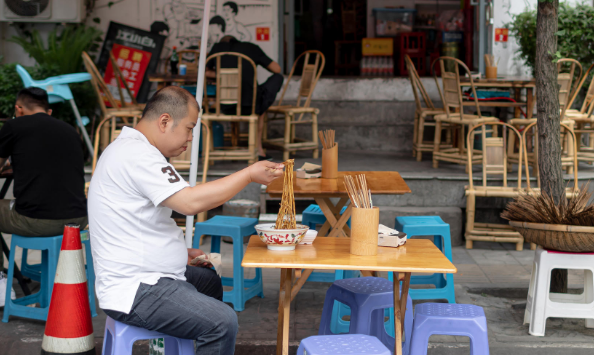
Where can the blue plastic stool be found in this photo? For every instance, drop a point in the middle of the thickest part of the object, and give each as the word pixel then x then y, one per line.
pixel 119 339
pixel 236 228
pixel 58 91
pixel 449 319
pixel 367 297
pixel 312 216
pixel 353 344
pixel 444 283
pixel 34 271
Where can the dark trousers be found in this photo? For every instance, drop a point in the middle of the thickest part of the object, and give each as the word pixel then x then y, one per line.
pixel 265 97
pixel 191 309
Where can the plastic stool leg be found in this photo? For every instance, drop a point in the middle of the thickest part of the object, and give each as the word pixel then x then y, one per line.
pixel 9 281
pixel 238 281
pixel 530 301
pixel 327 314
pixel 90 276
pixel 107 343
pixel 541 294
pixel 45 289
pixel 589 293
pixel 479 343
pixel 215 244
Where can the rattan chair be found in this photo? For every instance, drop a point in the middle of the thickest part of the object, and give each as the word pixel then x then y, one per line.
pixel 453 100
pixel 584 122
pixel 228 92
pixel 494 162
pixel 423 115
pixel 566 159
pixel 113 108
pixel 294 115
pixel 567 94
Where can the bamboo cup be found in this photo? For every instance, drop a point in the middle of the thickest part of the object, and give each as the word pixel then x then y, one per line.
pixel 330 162
pixel 491 72
pixel 364 231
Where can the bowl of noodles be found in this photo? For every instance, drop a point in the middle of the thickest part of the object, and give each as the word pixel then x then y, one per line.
pixel 281 239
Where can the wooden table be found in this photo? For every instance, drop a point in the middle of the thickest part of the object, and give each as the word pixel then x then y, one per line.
pixel 321 190
pixel 163 80
pixel 417 255
pixel 516 83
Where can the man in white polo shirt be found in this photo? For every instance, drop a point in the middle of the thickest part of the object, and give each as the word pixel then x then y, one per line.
pixel 139 254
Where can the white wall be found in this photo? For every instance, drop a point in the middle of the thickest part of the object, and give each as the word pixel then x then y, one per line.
pixel 509 64
pixel 177 14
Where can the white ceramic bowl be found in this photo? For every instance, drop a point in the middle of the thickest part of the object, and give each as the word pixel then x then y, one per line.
pixel 281 239
pixel 309 237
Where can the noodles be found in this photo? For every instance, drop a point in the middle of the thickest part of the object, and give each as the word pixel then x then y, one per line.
pixel 286 214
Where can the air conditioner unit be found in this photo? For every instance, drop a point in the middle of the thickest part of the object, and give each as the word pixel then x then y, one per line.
pixel 42 10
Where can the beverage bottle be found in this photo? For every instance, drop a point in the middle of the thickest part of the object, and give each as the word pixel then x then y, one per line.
pixel 174 61
pixel 362 66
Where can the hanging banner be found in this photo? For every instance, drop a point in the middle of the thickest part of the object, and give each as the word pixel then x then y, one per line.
pixel 137 53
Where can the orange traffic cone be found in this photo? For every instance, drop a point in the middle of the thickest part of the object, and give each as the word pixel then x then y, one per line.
pixel 69 329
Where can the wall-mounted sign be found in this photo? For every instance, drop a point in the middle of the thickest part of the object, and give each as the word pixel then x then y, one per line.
pixel 501 34
pixel 263 33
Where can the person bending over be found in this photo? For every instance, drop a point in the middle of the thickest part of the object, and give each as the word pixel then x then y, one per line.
pixel 47 160
pixel 266 92
pixel 139 254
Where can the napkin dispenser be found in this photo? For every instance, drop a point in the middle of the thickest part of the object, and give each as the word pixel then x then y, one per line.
pixel 388 237
pixel 309 171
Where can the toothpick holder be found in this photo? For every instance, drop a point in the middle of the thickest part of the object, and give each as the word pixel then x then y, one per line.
pixel 330 162
pixel 491 72
pixel 364 231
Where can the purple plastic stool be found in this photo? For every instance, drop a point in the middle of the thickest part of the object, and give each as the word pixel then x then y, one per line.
pixel 352 344
pixel 367 297
pixel 119 339
pixel 450 319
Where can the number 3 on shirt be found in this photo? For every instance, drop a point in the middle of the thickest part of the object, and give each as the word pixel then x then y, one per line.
pixel 169 170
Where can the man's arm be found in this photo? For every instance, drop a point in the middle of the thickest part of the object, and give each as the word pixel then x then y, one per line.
pixel 274 67
pixel 200 198
pixel 2 162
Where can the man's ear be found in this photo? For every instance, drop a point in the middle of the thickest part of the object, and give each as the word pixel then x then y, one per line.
pixel 163 121
pixel 18 111
pixel 49 112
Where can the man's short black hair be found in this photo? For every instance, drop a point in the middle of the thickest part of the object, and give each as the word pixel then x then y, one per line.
pixel 172 100
pixel 32 98
pixel 233 6
pixel 218 20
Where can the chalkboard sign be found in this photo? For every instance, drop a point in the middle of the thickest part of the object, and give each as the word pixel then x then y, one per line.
pixel 137 54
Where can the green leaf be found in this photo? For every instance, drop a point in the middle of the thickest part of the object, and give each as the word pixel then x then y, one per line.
pixel 110 4
pixel 97 20
pixel 560 33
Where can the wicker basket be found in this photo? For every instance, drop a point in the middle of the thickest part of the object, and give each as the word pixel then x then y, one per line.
pixel 556 236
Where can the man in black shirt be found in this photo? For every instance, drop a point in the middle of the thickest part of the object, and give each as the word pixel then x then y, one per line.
pixel 266 93
pixel 47 160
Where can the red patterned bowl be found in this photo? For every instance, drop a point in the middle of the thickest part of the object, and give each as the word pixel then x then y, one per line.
pixel 281 239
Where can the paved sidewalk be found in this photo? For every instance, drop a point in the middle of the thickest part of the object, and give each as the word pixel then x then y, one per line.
pixel 492 275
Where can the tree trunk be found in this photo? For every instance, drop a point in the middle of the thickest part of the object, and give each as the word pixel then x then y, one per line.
pixel 548 116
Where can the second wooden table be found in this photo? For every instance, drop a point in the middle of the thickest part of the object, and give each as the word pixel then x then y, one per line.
pixel 322 190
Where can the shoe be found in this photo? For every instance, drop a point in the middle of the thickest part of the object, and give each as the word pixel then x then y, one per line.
pixel 266 157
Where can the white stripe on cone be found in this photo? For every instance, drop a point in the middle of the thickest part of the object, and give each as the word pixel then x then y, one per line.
pixel 74 345
pixel 71 267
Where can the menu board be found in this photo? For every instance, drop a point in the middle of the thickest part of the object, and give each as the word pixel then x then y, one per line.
pixel 137 54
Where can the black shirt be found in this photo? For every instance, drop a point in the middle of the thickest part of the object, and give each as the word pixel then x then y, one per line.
pixel 253 52
pixel 48 165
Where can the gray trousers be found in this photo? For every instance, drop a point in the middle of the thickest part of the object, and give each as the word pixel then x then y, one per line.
pixel 191 309
pixel 11 222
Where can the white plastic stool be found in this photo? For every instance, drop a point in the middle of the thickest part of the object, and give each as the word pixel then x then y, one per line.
pixel 543 304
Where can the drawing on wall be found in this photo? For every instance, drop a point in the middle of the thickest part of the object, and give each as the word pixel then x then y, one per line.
pixel 181 21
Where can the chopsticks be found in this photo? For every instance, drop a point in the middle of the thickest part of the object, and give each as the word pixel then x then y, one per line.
pixel 327 138
pixel 490 60
pixel 358 192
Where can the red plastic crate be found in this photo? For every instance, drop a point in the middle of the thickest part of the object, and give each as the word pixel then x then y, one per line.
pixel 412 43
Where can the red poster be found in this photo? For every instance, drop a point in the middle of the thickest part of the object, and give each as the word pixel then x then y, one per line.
pixel 263 33
pixel 501 34
pixel 132 63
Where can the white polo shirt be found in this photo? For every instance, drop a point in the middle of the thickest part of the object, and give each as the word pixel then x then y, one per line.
pixel 133 238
